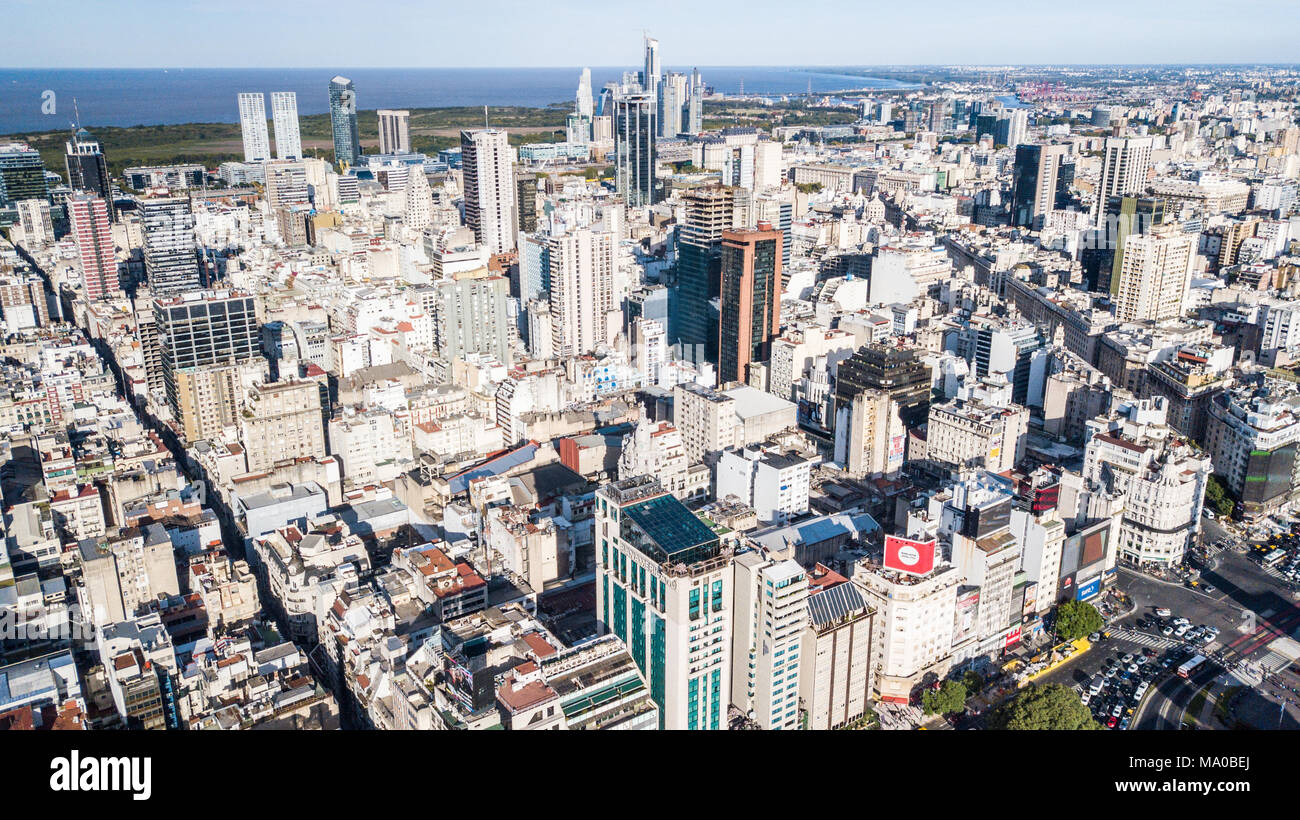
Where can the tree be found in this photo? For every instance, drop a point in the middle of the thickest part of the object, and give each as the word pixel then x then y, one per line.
pixel 1051 707
pixel 974 683
pixel 1074 619
pixel 948 698
pixel 1217 497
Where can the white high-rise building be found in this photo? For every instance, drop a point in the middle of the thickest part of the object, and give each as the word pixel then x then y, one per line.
pixel 284 114
pixel 1124 165
pixel 488 164
pixel 584 107
pixel 650 75
pixel 1155 275
pixel 771 612
pixel 419 201
pixel 252 124
pixel 394 131
pixel 664 587
pixel 582 278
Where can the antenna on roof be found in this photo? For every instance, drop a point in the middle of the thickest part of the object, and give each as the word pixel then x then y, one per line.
pixel 485 118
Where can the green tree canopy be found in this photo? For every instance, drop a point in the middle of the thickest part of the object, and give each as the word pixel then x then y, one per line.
pixel 1074 619
pixel 948 698
pixel 1050 707
pixel 1217 497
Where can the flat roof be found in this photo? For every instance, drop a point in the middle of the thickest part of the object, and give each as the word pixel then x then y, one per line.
pixel 751 402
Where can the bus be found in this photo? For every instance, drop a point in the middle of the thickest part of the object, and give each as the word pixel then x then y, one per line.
pixel 1273 558
pixel 1190 666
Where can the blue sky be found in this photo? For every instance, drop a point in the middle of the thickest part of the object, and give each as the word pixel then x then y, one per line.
pixel 383 33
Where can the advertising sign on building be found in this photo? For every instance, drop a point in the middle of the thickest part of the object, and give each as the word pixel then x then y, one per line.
pixel 906 555
pixel 1088 589
pixel 1013 638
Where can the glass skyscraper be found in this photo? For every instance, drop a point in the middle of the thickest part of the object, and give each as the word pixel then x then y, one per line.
pixel 343 120
pixel 635 125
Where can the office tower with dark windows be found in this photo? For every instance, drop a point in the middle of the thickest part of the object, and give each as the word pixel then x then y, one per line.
pixel 252 124
pixel 284 114
pixel 898 371
pixel 22 174
pixel 1121 217
pixel 750 308
pixel 394 131
pixel 664 588
pixel 171 261
pixel 88 170
pixel 525 202
pixel 709 212
pixel 205 338
pixel 1035 183
pixel 343 122
pixel 94 237
pixel 487 161
pixel 634 148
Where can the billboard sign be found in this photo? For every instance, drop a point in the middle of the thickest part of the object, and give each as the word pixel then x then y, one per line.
pixel 1088 589
pixel 906 555
pixel 1013 638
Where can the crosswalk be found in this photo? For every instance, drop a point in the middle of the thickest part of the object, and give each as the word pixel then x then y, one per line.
pixel 1272 662
pixel 1143 639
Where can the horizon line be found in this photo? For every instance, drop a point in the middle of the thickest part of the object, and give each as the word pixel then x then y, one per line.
pixel 1266 64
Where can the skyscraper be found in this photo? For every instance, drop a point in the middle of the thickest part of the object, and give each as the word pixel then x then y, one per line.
pixel 488 164
pixel 284 113
pixel 664 588
pixel 343 121
pixel 170 252
pixel 1154 275
pixel 22 174
pixel 88 170
pixel 252 123
pixel 634 148
pixel 581 295
pixel 525 214
pixel 673 104
pixel 1034 183
pixel 205 338
pixel 583 105
pixel 695 105
pixel 394 131
pixel 94 237
pixel 650 74
pixel 750 313
pixel 694 331
pixel 1124 166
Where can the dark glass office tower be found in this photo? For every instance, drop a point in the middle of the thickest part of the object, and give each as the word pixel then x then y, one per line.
pixel 525 202
pixel 22 174
pixel 750 308
pixel 343 120
pixel 635 125
pixel 1123 216
pixel 709 212
pixel 898 371
pixel 88 170
pixel 1034 186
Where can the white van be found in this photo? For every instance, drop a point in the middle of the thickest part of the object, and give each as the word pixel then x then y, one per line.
pixel 1097 683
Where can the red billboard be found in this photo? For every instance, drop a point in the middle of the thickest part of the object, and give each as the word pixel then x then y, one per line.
pixel 906 555
pixel 1013 638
